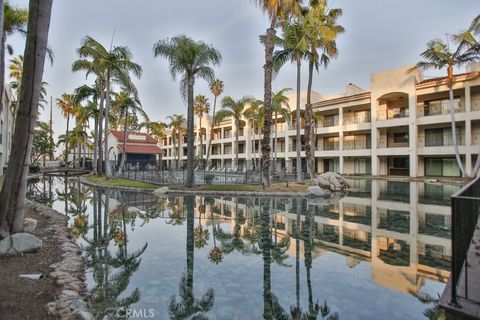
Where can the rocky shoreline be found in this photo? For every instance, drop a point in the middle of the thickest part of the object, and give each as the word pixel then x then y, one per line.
pixel 69 272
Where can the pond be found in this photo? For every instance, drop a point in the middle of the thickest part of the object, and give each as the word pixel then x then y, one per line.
pixel 372 254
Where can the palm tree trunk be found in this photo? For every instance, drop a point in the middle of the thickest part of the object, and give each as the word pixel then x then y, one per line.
pixel 309 137
pixel 299 143
pixel 201 138
pixel 66 141
pixel 124 153
pixel 454 133
pixel 84 153
pixel 267 101
pixel 100 134
pixel 95 142
pixel 190 139
pixel 108 170
pixel 12 196
pixel 2 59
pixel 275 145
pixel 79 151
pixel 211 130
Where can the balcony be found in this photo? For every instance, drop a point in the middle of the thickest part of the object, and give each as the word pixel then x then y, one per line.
pixel 330 146
pixel 440 107
pixel 358 118
pixel 392 113
pixel 328 121
pixel 357 144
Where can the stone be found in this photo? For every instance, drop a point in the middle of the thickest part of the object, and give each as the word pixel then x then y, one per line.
pixel 331 181
pixel 322 182
pixel 82 315
pixel 77 304
pixel 29 225
pixel 133 209
pixel 316 191
pixel 20 243
pixel 160 191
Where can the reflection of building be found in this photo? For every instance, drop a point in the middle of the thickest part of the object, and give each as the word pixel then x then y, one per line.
pixel 400 126
pixel 6 128
pixel 140 147
pixel 405 238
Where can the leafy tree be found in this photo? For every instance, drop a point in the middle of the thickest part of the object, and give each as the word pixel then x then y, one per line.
pixel 68 107
pixel 201 107
pixel 42 142
pixel 190 59
pixel 281 107
pixel 216 88
pixel 177 127
pixel 438 55
pixel 12 196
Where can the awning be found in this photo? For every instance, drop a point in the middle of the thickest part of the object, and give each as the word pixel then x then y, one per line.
pixel 142 149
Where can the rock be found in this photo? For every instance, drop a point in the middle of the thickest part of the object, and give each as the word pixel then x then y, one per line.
pixel 20 243
pixel 322 182
pixel 77 304
pixel 331 181
pixel 133 209
pixel 316 191
pixel 82 315
pixel 160 191
pixel 29 225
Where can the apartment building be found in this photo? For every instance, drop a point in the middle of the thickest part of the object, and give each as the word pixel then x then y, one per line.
pixel 401 126
pixel 6 128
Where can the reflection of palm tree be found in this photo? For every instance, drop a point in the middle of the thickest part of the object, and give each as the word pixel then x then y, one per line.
pixel 176 212
pixel 433 312
pixel 188 306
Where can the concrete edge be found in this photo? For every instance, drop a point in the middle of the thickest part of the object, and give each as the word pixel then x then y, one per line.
pixel 84 180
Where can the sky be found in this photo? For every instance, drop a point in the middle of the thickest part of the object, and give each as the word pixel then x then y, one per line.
pixel 380 35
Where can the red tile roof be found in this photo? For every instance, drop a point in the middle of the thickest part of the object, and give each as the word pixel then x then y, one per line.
pixel 148 138
pixel 142 149
pixel 443 78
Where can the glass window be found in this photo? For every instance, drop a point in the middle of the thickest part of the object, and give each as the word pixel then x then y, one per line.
pixel 400 137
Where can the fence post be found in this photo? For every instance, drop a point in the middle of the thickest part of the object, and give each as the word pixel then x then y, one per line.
pixel 225 174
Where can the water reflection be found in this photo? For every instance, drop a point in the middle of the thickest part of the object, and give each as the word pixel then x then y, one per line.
pixel 383 234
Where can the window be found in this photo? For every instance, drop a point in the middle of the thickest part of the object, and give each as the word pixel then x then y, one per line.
pixel 1 132
pixel 400 137
pixel 401 163
pixel 441 167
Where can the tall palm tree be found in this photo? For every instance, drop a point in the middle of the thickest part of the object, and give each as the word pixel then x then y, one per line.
pixel 281 107
pixel 114 65
pixel 283 10
pixel 254 113
pixel 191 59
pixel 321 30
pixel 14 20
pixel 201 107
pixel 233 108
pixel 294 49
pixel 124 102
pixel 438 55
pixel 12 196
pixel 216 88
pixel 177 126
pixel 67 106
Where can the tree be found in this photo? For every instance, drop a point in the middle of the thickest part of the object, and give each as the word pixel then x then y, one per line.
pixel 254 113
pixel 67 106
pixel 201 107
pixel 216 88
pixel 177 126
pixel 191 59
pixel 276 9
pixel 294 49
pixel 42 143
pixel 123 102
pixel 438 55
pixel 14 20
pixel 12 196
pixel 280 107
pixel 234 109
pixel 114 65
pixel 321 30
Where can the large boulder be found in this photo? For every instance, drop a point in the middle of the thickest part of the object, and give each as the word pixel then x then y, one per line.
pixel 20 243
pixel 160 191
pixel 331 181
pixel 316 191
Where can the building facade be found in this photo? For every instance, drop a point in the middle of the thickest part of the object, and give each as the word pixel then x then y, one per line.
pixel 140 147
pixel 6 128
pixel 400 126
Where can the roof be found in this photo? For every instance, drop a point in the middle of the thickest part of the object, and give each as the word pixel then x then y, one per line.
pixel 144 137
pixel 142 149
pixel 340 99
pixel 466 76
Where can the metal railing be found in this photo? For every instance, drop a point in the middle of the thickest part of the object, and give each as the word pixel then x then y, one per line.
pixel 465 213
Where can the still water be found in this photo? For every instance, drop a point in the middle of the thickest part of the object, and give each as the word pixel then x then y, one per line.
pixel 374 253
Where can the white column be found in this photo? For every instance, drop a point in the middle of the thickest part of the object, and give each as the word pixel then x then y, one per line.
pixel 413 135
pixel 468 99
pixel 374 137
pixel 340 138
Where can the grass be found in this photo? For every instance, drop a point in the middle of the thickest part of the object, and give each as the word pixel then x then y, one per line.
pixel 120 182
pixel 292 187
pixel 228 187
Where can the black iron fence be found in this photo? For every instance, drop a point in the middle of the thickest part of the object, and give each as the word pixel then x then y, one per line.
pixel 465 214
pixel 156 172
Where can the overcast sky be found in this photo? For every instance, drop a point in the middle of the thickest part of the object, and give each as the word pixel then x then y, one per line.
pixel 380 35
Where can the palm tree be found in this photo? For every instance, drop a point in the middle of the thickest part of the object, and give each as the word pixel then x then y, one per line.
pixel 438 55
pixel 321 30
pixel 191 59
pixel 276 9
pixel 123 102
pixel 280 107
pixel 254 113
pixel 12 196
pixel 108 65
pixel 216 88
pixel 67 107
pixel 294 50
pixel 233 108
pixel 14 20
pixel 201 107
pixel 177 126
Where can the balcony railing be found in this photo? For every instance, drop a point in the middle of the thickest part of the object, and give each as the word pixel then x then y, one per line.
pixel 442 107
pixel 357 119
pixel 383 143
pixel 392 113
pixel 328 122
pixel 357 145
pixel 446 141
pixel 329 146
